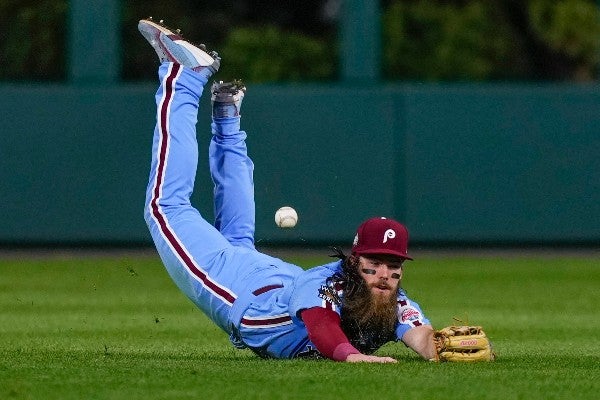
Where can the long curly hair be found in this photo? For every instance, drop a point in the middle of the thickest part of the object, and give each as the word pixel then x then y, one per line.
pixel 349 277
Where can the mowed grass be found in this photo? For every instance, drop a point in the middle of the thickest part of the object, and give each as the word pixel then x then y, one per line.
pixel 116 327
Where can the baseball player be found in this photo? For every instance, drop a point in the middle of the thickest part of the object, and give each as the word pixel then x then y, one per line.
pixel 344 310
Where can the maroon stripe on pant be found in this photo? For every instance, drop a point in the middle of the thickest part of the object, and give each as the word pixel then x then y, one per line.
pixel 158 216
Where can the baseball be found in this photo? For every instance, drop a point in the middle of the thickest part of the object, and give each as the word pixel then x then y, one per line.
pixel 286 217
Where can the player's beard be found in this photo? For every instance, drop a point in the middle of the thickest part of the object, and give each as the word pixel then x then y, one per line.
pixel 368 319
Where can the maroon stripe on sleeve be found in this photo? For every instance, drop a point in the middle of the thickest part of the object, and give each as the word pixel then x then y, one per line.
pixel 265 289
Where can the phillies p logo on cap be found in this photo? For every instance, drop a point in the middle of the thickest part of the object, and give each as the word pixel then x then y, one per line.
pixel 381 236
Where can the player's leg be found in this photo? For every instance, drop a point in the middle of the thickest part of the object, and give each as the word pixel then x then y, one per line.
pixel 212 272
pixel 174 163
pixel 231 168
pixel 190 247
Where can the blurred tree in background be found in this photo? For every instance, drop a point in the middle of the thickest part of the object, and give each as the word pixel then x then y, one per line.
pixel 259 41
pixel 483 40
pixel 450 41
pixel 269 53
pixel 564 35
pixel 431 40
pixel 33 39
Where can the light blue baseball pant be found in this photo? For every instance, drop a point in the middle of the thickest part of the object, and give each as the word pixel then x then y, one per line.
pixel 216 266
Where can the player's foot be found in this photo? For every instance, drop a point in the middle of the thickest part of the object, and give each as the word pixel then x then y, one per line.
pixel 227 98
pixel 171 47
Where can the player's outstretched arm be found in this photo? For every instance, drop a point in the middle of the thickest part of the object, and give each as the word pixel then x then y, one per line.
pixel 420 339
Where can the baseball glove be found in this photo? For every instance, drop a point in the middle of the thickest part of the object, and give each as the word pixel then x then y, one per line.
pixel 463 344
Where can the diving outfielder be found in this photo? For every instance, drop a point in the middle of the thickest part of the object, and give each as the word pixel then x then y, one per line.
pixel 344 310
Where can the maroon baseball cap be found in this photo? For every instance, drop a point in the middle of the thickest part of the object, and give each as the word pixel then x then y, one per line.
pixel 381 235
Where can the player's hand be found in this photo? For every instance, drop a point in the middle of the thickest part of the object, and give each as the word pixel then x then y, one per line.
pixel 358 357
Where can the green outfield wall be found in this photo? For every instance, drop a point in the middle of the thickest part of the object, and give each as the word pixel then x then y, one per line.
pixel 457 163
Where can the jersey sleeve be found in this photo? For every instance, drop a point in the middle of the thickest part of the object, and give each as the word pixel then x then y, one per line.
pixel 410 315
pixel 325 332
pixel 312 289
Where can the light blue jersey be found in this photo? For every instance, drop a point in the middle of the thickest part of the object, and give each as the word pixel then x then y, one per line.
pixel 253 297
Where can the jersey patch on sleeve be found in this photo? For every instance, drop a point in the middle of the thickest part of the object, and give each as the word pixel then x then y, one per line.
pixel 410 315
pixel 330 295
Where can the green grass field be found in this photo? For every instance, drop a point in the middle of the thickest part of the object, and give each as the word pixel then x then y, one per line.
pixel 116 327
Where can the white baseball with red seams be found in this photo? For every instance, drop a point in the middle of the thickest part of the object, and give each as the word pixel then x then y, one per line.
pixel 286 217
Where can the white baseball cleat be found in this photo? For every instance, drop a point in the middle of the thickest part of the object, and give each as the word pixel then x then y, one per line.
pixel 171 47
